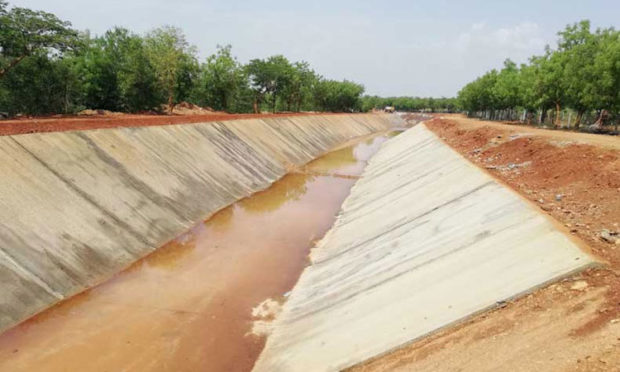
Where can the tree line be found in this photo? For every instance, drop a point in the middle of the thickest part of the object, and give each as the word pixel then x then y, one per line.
pixel 48 67
pixel 579 78
pixel 410 104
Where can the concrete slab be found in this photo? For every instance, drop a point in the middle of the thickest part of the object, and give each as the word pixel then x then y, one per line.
pixel 77 207
pixel 424 240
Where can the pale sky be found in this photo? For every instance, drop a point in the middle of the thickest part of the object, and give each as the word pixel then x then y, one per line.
pixel 398 47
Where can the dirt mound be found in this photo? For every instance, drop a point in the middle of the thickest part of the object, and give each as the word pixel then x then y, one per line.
pixel 413 117
pixel 187 108
pixel 90 112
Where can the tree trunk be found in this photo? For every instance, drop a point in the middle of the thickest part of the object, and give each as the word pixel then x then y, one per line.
pixel 66 101
pixel 578 118
pixel 170 100
pixel 543 115
pixel 275 101
pixel 255 106
pixel 558 119
pixel 601 118
pixel 224 102
pixel 13 63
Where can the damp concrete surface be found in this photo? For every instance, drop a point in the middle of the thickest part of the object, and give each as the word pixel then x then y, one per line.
pixel 188 306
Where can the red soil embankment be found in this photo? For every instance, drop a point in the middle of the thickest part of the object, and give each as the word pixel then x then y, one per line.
pixel 54 124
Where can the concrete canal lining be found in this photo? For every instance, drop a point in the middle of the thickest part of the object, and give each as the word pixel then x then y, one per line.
pixel 77 207
pixel 424 240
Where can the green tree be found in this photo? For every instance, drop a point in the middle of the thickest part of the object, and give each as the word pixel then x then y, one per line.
pixel 25 32
pixel 605 87
pixel 300 85
pixel 135 75
pixel 98 73
pixel 371 102
pixel 222 80
pixel 187 77
pixel 269 77
pixel 580 47
pixel 506 89
pixel 548 82
pixel 338 96
pixel 39 85
pixel 115 73
pixel 167 51
pixel 582 73
pixel 528 97
pixel 479 95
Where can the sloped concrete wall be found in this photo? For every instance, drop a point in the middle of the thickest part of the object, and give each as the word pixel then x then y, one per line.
pixel 76 207
pixel 424 240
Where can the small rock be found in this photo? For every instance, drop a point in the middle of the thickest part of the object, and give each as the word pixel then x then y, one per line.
pixel 558 197
pixel 579 285
pixel 609 236
pixel 541 201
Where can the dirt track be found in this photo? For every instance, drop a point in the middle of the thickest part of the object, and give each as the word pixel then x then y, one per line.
pixel 573 325
pixel 52 124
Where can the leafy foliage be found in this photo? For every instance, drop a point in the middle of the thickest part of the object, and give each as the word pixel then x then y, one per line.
pixel 173 61
pixel 409 103
pixel 339 96
pixel 38 86
pixel 47 67
pixel 269 77
pixel 222 80
pixel 24 32
pixel 582 73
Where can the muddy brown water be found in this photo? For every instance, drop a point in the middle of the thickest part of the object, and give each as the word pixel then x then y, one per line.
pixel 187 306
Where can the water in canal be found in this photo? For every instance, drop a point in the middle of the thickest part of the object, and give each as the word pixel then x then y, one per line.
pixel 188 306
